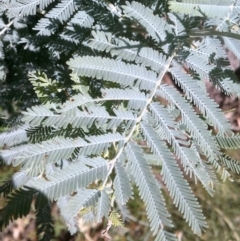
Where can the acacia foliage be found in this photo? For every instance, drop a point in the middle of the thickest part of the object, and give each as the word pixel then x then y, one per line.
pixel 106 119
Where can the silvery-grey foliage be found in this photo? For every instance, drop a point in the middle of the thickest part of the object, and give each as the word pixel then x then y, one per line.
pixel 144 124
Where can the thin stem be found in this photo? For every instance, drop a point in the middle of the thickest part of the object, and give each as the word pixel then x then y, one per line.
pixel 202 33
pixel 139 118
pixel 6 27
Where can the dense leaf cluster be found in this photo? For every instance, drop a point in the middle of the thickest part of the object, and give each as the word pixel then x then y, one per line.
pixel 103 117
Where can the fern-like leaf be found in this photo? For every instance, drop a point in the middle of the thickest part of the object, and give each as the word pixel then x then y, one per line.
pixel 83 198
pixel 6 187
pixel 178 187
pixel 23 7
pixel 114 117
pixel 127 50
pixel 62 10
pixel 190 160
pixel 148 188
pixel 114 71
pixel 18 205
pixel 43 27
pixel 164 235
pixel 154 25
pixel 217 9
pixel 103 206
pixel 228 142
pixel 194 124
pixel 207 106
pixel 73 177
pixel 13 137
pixel 82 19
pixel 230 163
pixel 121 185
pixel 60 148
pixel 20 178
pixel 44 221
pixel 233 45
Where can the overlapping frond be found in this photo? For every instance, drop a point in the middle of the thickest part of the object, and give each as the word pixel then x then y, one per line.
pixel 200 64
pixel 6 187
pixel 43 27
pixel 178 187
pixel 233 45
pixel 207 106
pixel 20 178
pixel 197 128
pixel 128 50
pixel 230 163
pixel 117 47
pixel 9 154
pixel 192 163
pixel 148 188
pixel 76 101
pixel 17 8
pixel 178 26
pixel 93 115
pixel 17 206
pixel 121 185
pixel 228 142
pixel 230 88
pixel 61 148
pixel 218 9
pixel 115 118
pixel 114 71
pixel 164 235
pixel 44 220
pixel 14 9
pixel 206 47
pixel 90 204
pixel 137 99
pixel 82 19
pixel 75 176
pixel 44 3
pixel 83 198
pixel 36 114
pixel 13 137
pixel 154 25
pixel 63 10
pixel 103 206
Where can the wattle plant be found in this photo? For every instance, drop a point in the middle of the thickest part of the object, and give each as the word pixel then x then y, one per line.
pixel 119 120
